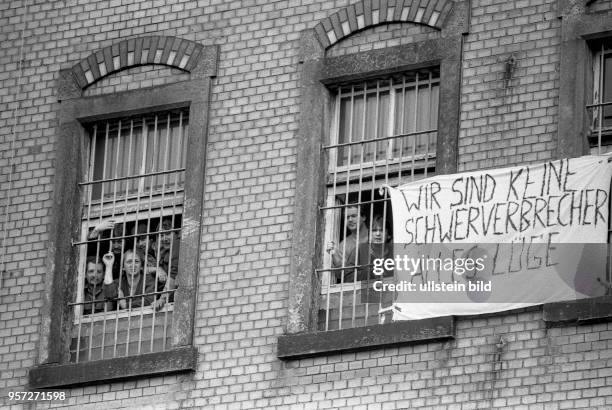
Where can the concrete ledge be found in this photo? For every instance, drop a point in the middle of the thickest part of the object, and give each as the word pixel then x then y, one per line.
pixel 579 311
pixel 50 376
pixel 370 337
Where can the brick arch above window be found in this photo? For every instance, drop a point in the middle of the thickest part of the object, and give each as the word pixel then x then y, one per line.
pixel 149 50
pixel 369 13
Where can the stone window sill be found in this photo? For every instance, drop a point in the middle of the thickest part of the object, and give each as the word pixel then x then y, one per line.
pixel 301 345
pixel 61 375
pixel 578 311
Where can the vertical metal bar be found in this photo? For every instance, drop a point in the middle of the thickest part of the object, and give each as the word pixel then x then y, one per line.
pixel 93 305
pixel 155 154
pixel 601 91
pixel 138 197
pixel 372 195
pixel 384 228
pixel 167 296
pixel 392 118
pixel 157 259
pixel 104 163
pixel 90 177
pixel 146 251
pixel 174 200
pixel 98 244
pixel 116 168
pixel 429 126
pixel 92 322
pixel 184 132
pixel 373 189
pixel 103 333
pixel 363 146
pixel 103 177
pixel 402 130
pixel 79 309
pixel 179 149
pixel 78 347
pixel 175 196
pixel 127 188
pixel 145 147
pixel 144 262
pixel 415 119
pixel 346 200
pixel 118 148
pixel 129 322
pixel 177 175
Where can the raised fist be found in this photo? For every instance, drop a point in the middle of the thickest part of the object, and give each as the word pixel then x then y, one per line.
pixel 108 259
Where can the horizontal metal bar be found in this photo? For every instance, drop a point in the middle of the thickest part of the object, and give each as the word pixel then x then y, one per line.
pixel 355 267
pixel 410 134
pixel 125 207
pixel 603 104
pixel 380 171
pixel 118 238
pixel 378 89
pixel 125 297
pixel 117 314
pixel 145 175
pixel 353 205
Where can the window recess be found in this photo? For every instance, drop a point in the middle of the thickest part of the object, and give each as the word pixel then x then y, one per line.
pixel 132 208
pixel 600 110
pixel 384 132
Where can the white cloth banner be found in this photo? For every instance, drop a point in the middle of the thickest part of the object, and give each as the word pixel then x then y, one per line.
pixel 530 231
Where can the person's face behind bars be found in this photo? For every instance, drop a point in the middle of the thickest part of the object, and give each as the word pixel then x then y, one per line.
pixel 94 273
pixel 166 239
pixel 353 218
pixel 132 265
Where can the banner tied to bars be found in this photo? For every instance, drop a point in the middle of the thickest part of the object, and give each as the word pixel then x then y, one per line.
pixel 499 239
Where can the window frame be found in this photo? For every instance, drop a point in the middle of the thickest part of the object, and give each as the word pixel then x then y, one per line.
pixel 579 30
pixel 72 161
pixel 120 203
pixel 599 134
pixel 332 230
pixel 393 134
pixel 122 199
pixel 318 73
pixel 394 97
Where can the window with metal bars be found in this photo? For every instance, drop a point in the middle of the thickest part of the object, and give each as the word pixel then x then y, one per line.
pixel 600 138
pixel 384 132
pixel 601 107
pixel 132 210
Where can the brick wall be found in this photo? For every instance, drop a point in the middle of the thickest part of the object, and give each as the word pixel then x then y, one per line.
pixel 249 202
pixel 511 121
pixel 385 35
pixel 137 77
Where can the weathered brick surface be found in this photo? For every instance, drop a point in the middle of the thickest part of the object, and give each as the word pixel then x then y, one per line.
pixel 249 201
pixel 137 77
pixel 385 35
pixel 504 122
